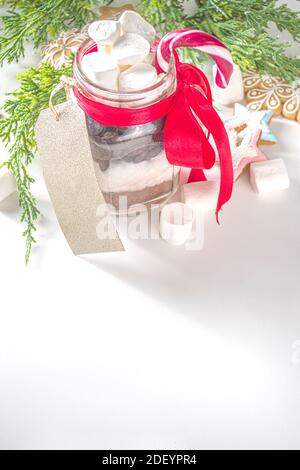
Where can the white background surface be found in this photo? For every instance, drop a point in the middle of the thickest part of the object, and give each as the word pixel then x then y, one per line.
pixel 156 347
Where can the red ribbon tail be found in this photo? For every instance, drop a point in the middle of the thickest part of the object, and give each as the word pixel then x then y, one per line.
pixel 186 144
pixel 213 123
pixel 196 175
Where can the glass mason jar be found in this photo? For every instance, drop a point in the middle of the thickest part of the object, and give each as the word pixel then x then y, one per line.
pixel 129 161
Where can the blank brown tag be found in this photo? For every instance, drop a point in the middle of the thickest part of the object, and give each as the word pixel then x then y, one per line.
pixel 71 181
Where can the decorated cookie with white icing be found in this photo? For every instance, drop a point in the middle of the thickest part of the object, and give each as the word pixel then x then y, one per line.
pixel 245 118
pixel 251 80
pixel 271 94
pixel 291 108
pixel 244 149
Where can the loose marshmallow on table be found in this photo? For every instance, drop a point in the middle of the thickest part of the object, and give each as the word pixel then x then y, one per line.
pixel 132 22
pixel 202 195
pixel 7 184
pixel 137 77
pixel 105 32
pixel 269 176
pixel 176 223
pixel 101 69
pixel 130 49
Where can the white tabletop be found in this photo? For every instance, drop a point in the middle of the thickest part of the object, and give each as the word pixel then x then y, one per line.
pixel 156 347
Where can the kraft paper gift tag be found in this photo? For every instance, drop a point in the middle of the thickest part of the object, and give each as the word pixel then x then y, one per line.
pixel 71 181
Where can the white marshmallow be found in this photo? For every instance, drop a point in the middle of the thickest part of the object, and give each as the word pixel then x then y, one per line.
pixel 101 69
pixel 176 223
pixel 202 195
pixel 7 184
pixel 130 49
pixel 105 32
pixel 137 77
pixel 132 22
pixel 269 176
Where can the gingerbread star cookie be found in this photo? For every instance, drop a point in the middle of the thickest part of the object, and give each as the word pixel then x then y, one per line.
pixel 244 149
pixel 271 93
pixel 245 119
pixel 291 108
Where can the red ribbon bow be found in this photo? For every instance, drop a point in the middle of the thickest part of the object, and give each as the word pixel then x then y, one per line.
pixel 186 143
pixel 187 112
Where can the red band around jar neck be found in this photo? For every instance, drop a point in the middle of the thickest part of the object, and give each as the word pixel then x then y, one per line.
pixel 113 116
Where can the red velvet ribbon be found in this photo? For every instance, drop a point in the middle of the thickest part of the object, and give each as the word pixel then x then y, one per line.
pixel 187 111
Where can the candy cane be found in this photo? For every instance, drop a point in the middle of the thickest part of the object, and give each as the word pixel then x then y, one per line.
pixel 197 40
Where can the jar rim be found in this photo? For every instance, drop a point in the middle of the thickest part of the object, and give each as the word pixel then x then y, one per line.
pixel 82 79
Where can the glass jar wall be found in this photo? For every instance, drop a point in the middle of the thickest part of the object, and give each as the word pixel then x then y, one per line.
pixel 130 161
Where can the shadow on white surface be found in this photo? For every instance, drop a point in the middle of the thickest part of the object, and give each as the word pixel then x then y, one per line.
pixel 10 205
pixel 245 259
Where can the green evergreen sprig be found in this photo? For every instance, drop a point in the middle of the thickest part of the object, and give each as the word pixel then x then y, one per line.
pixel 165 15
pixel 241 24
pixel 38 21
pixel 17 132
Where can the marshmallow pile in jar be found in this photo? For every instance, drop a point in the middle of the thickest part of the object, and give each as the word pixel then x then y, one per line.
pixel 129 161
